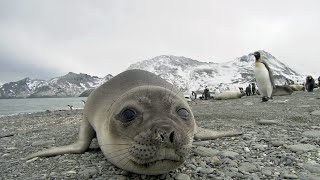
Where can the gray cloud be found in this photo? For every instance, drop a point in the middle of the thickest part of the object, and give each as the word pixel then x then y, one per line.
pixel 101 37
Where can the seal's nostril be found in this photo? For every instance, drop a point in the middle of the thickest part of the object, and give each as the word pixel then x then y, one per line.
pixel 162 137
pixel 171 137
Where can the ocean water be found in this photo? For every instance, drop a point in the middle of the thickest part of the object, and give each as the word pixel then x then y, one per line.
pixel 29 105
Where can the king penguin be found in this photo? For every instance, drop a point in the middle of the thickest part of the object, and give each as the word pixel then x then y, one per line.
pixel 263 75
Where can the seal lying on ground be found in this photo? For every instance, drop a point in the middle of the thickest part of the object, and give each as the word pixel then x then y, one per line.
pixel 229 95
pixel 143 124
pixel 282 90
pixel 297 87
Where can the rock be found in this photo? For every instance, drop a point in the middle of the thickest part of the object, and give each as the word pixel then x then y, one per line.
pixel 88 172
pixel 248 103
pixel 230 171
pixel 312 167
pixel 301 147
pixel 289 176
pixel 267 122
pixel 5 155
pixel 247 167
pixel 277 143
pixel 2 135
pixel 229 154
pixel 315 113
pixel 260 146
pixel 205 170
pixel 53 174
pixel 182 176
pixel 71 172
pixel 266 172
pixel 246 149
pixel 191 166
pixel 215 160
pixel 200 143
pixel 42 143
pixel 31 160
pixel 205 152
pixel 312 134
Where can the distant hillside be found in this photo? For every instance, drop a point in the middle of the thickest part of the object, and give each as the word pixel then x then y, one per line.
pixel 192 75
pixel 187 74
pixel 70 85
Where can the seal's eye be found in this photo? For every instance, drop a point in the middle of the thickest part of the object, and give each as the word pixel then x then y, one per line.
pixel 128 115
pixel 183 113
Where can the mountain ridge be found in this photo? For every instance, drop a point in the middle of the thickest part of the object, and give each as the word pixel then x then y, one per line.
pixel 186 73
pixel 194 75
pixel 69 85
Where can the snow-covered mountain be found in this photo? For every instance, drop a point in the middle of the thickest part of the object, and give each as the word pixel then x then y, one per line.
pixel 187 74
pixel 69 85
pixel 192 75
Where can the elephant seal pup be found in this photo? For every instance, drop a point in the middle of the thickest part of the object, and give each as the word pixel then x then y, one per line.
pixel 143 124
pixel 229 95
pixel 297 87
pixel 282 90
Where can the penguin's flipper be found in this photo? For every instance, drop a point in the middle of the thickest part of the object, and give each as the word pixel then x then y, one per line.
pixel 270 73
pixel 206 134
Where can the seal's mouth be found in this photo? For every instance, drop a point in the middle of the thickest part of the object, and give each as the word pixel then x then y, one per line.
pixel 157 163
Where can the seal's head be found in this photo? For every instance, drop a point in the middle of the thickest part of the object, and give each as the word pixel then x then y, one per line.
pixel 149 130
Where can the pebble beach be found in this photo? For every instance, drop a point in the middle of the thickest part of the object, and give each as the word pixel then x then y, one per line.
pixel 281 140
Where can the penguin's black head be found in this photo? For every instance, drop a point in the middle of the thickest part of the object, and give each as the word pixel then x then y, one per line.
pixel 257 55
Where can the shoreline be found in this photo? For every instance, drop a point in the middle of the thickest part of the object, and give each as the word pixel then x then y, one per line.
pixel 281 140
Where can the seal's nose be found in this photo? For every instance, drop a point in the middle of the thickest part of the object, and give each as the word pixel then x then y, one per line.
pixel 165 133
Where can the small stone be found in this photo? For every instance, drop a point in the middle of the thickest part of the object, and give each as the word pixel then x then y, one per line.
pixel 277 143
pixel 247 167
pixel 88 172
pixel 246 149
pixel 266 172
pixel 316 113
pixel 260 146
pixel 313 167
pixel 53 174
pixel 205 152
pixel 42 143
pixel 215 160
pixel 301 147
pixel 290 176
pixel 229 154
pixel 276 173
pixel 71 172
pixel 248 103
pixel 191 166
pixel 200 143
pixel 182 176
pixel 31 160
pixel 5 155
pixel 206 170
pixel 311 134
pixel 267 122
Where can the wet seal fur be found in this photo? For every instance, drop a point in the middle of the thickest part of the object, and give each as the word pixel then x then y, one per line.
pixel 282 90
pixel 143 124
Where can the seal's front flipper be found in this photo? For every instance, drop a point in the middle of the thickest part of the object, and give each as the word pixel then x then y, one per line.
pixel 86 134
pixel 206 134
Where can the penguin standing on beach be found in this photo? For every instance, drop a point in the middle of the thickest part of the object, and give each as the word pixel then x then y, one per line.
pixel 263 77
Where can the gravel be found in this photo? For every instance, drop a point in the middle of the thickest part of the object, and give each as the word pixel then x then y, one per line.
pixel 281 140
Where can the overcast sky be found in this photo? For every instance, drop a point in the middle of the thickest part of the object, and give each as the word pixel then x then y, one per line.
pixel 45 39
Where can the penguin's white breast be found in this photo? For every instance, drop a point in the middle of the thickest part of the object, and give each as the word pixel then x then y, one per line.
pixel 262 77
